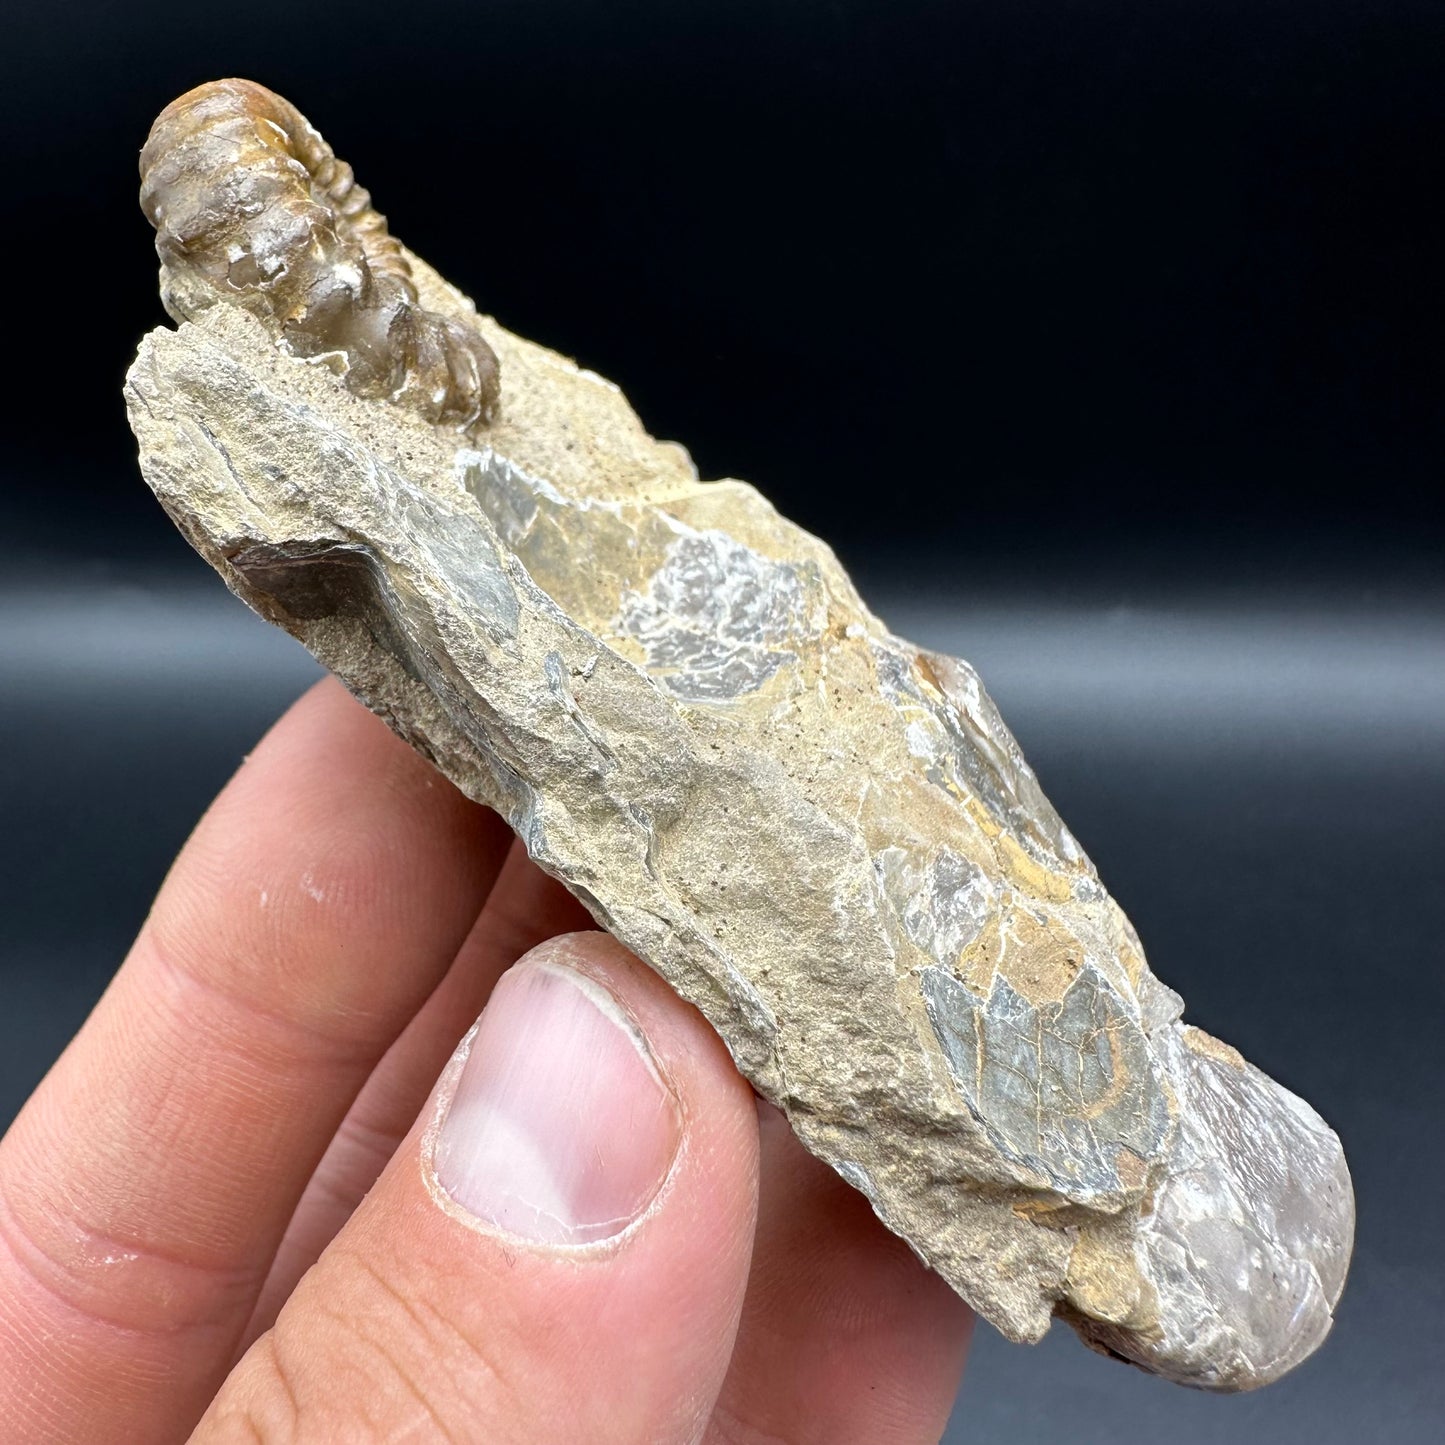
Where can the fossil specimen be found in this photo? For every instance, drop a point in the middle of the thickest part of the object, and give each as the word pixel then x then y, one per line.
pixel 251 206
pixel 823 837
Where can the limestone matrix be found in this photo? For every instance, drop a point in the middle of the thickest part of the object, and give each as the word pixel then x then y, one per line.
pixel 822 836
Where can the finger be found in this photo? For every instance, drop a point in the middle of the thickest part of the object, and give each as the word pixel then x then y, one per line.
pixel 145 1186
pixel 845 1335
pixel 560 1256
pixel 524 908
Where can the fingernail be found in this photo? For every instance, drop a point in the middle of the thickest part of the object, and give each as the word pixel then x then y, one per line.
pixel 561 1129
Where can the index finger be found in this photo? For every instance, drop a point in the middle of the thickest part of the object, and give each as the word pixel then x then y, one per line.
pixel 145 1186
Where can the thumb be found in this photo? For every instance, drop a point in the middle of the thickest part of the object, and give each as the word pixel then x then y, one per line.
pixel 558 1250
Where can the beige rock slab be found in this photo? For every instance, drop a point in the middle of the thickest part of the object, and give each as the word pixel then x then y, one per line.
pixel 822 836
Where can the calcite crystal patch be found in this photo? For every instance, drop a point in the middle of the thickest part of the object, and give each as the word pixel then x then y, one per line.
pixel 822 836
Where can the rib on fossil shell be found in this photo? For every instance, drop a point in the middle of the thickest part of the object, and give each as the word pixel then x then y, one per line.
pixel 251 206
pixel 823 837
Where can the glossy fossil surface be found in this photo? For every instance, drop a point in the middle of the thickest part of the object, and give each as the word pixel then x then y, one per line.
pixel 252 207
pixel 822 836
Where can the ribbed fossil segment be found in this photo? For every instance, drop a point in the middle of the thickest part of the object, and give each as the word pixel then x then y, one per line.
pixel 1065 1086
pixel 251 206
pixel 823 837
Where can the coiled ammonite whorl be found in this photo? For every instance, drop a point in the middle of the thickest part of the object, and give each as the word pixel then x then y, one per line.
pixel 251 206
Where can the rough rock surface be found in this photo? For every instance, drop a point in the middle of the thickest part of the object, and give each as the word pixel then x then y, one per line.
pixel 823 837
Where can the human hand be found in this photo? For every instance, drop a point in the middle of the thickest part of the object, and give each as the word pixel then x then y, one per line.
pixel 241 1193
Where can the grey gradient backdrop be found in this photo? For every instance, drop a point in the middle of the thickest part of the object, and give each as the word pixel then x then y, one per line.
pixel 1101 339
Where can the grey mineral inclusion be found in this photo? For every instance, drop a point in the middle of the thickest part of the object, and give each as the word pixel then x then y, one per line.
pixel 822 836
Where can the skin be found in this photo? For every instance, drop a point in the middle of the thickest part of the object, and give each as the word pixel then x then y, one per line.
pixel 219 1218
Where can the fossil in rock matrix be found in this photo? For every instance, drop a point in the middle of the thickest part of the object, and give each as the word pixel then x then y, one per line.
pixel 822 836
pixel 250 205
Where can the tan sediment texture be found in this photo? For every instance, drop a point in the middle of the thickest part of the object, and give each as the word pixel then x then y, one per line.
pixel 824 838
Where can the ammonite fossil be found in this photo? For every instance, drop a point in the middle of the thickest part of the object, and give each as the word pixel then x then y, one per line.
pixel 251 206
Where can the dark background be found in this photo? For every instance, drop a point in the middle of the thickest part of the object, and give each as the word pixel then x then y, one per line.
pixel 1104 342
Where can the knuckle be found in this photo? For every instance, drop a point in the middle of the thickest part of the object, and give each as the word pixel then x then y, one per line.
pixel 219 991
pixel 380 1355
pixel 259 1402
pixel 397 1358
pixel 118 1285
pixel 233 929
